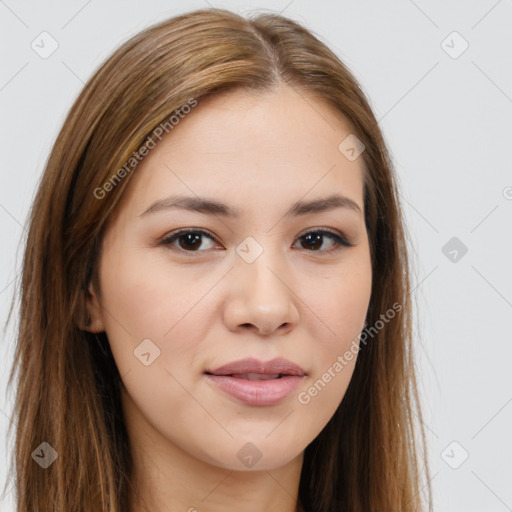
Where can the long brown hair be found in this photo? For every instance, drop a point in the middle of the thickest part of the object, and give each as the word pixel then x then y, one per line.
pixel 368 457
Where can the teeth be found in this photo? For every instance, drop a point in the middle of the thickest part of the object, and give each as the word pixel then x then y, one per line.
pixel 256 376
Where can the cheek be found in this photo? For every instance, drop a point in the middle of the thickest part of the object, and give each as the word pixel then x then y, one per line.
pixel 155 327
pixel 339 301
pixel 140 289
pixel 144 299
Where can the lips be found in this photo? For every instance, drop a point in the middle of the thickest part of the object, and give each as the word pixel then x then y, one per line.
pixel 245 367
pixel 254 382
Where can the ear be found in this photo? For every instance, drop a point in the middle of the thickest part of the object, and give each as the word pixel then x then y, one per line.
pixel 93 321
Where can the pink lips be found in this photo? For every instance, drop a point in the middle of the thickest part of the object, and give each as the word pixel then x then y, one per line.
pixel 255 382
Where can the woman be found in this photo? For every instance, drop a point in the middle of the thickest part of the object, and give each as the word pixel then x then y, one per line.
pixel 215 302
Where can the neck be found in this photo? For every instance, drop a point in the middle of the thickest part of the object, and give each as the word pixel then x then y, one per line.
pixel 170 482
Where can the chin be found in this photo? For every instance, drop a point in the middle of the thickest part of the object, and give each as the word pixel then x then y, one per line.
pixel 248 456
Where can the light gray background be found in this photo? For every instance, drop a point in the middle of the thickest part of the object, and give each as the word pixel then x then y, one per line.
pixel 447 122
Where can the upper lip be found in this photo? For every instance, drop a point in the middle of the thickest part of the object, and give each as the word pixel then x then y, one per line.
pixel 250 365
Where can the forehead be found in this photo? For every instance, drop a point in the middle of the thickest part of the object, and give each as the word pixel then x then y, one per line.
pixel 277 121
pixel 245 146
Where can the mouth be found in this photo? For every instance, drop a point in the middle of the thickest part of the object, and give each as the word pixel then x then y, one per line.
pixel 251 376
pixel 252 369
pixel 257 383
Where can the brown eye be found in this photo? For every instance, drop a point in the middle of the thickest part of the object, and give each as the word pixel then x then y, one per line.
pixel 314 240
pixel 189 240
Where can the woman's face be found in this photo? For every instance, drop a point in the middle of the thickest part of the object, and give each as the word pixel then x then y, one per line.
pixel 261 280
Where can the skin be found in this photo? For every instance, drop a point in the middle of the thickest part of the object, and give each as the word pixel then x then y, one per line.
pixel 206 306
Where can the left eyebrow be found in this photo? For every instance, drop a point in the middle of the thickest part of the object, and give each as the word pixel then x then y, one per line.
pixel 213 207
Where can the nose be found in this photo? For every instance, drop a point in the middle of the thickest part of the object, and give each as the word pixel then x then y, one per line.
pixel 261 298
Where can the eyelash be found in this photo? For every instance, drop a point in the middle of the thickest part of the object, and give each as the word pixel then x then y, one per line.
pixel 339 240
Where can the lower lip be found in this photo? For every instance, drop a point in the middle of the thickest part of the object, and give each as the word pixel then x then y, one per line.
pixel 257 392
